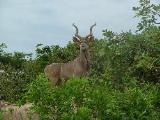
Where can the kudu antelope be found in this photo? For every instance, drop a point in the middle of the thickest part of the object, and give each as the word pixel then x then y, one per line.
pixel 78 67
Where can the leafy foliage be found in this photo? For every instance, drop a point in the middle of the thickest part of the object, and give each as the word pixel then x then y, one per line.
pixel 148 13
pixel 80 99
pixel 53 54
pixel 128 55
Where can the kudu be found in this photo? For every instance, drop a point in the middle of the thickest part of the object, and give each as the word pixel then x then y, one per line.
pixel 78 67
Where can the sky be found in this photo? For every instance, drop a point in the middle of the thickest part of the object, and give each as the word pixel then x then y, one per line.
pixel 25 23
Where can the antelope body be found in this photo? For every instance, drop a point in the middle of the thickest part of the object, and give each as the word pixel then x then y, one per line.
pixel 78 67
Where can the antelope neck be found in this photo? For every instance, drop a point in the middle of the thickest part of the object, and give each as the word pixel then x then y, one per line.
pixel 84 55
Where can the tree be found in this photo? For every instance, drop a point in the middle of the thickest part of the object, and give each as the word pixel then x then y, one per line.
pixel 148 13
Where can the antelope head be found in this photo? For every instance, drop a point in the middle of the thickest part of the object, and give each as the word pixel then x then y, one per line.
pixel 83 42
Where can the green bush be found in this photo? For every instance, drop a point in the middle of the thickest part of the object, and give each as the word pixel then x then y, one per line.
pixel 54 54
pixel 13 82
pixel 80 99
pixel 118 56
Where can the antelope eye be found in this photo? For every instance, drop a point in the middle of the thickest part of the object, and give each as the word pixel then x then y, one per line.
pixel 87 38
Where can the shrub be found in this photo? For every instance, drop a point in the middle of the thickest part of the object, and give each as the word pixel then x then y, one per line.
pixel 13 82
pixel 118 56
pixel 80 99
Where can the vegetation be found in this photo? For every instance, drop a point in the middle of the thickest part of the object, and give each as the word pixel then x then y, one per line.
pixel 123 83
pixel 81 99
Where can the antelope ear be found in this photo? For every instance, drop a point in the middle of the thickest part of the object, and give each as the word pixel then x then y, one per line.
pixel 76 39
pixel 90 38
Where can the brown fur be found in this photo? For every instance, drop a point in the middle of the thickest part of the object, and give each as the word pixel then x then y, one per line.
pixel 78 67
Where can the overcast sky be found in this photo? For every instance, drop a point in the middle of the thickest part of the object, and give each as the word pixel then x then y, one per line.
pixel 25 23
